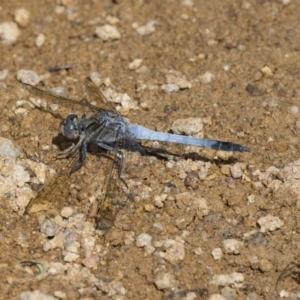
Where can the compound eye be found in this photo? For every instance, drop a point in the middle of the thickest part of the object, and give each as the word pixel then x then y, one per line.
pixel 69 127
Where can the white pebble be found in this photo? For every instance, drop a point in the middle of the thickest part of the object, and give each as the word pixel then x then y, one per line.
pixel 107 32
pixel 284 294
pixel 8 149
pixel 49 228
pixel 126 101
pixel 40 40
pixel 294 109
pixel 198 251
pixel 143 240
pixel 216 297
pixel 91 261
pixel 267 71
pixel 107 81
pixel 159 200
pixel 182 82
pixel 286 2
pixel 35 295
pixel 236 171
pixel 28 76
pixel 73 247
pixel 135 64
pixel 147 29
pixel 164 281
pixel 54 107
pixel 55 268
pixel 95 76
pixel 70 257
pixel 226 68
pixel 3 74
pixel 189 126
pixel 21 17
pixel 187 3
pixel 21 111
pixel 67 212
pixel 232 246
pixel 9 32
pixel 170 88
pixel 269 223
pixel 173 251
pixel 60 294
pixel 207 78
pixel 234 279
pixel 217 253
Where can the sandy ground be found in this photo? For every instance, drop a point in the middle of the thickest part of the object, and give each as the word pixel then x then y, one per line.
pixel 209 225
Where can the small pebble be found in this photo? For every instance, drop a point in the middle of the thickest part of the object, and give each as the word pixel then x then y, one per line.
pixel 91 261
pixel 198 251
pixel 226 68
pixel 70 257
pixel 267 71
pixel 258 185
pixel 173 251
pixel 189 126
pixel 3 74
pixel 107 32
pixel 236 171
pixel 265 265
pixel 147 29
pixel 164 281
pixel 159 200
pixel 9 32
pixel 294 109
pixel 143 240
pixel 96 78
pixel 207 78
pixel 67 212
pixel 35 295
pixel 217 253
pixel 55 268
pixel 234 279
pixel 187 3
pixel 8 149
pixel 40 40
pixel 22 16
pixel 269 223
pixel 170 88
pixel 28 76
pixel 135 64
pixel 54 107
pixel 49 228
pixel 60 295
pixel 232 246
pixel 216 297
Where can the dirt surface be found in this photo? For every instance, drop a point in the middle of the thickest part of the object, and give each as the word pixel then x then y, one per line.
pixel 188 220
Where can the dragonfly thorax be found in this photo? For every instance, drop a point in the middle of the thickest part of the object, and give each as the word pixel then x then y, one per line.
pixel 70 127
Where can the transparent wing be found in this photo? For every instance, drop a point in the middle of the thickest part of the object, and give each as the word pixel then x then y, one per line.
pixel 113 193
pixel 56 191
pixel 57 98
pixel 96 94
pixel 113 187
pixel 95 189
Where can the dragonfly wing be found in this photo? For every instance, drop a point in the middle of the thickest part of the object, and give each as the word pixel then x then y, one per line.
pixel 57 98
pixel 131 144
pixel 96 94
pixel 54 194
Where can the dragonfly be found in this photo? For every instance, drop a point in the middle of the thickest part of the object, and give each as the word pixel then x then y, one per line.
pixel 107 131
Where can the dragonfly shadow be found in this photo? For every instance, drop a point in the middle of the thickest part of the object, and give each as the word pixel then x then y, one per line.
pixel 163 154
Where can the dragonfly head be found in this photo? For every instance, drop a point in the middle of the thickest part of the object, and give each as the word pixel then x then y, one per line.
pixel 70 127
